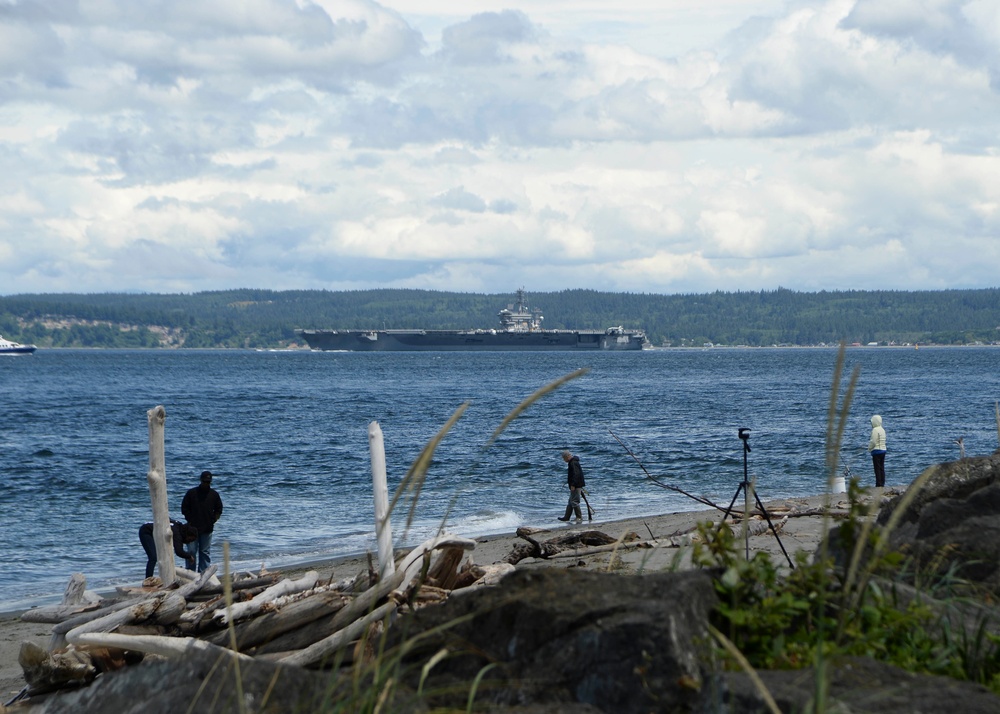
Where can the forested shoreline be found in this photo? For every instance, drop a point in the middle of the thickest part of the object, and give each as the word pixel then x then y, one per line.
pixel 266 319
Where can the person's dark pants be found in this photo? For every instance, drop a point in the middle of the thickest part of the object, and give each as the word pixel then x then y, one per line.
pixel 878 462
pixel 148 545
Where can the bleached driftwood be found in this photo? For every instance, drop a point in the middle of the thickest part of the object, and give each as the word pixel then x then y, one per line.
pixel 259 602
pixel 173 647
pixel 59 640
pixel 163 537
pixel 216 587
pixel 162 610
pixel 76 590
pixel 191 620
pixel 491 575
pixel 45 672
pixel 594 550
pixel 56 613
pixel 760 527
pixel 349 622
pixel 444 540
pixel 77 599
pixel 61 628
pixel 266 627
pixel 319 651
pixel 345 623
pixel 775 511
pixel 383 527
pixel 444 571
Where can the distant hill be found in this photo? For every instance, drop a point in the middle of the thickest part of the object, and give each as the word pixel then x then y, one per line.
pixel 268 319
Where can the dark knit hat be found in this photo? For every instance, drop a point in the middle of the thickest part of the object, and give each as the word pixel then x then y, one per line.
pixel 206 477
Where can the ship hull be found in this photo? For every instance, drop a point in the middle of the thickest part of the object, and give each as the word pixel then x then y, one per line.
pixel 478 340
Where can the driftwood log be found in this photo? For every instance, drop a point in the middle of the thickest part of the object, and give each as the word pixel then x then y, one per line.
pixel 77 599
pixel 265 599
pixel 289 617
pixel 380 491
pixel 581 543
pixel 45 671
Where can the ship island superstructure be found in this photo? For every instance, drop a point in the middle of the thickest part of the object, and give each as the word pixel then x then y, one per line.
pixel 520 330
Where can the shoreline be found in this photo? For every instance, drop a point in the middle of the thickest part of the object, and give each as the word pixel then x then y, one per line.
pixel 664 531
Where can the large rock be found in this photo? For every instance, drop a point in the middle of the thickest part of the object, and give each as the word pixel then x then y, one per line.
pixel 951 526
pixel 859 686
pixel 617 643
pixel 201 684
pixel 952 479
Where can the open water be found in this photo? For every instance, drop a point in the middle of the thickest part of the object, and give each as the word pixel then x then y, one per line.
pixel 286 435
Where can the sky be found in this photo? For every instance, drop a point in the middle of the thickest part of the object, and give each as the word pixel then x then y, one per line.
pixel 642 146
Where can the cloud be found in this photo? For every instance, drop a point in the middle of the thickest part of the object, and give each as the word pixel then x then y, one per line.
pixel 819 144
pixel 484 38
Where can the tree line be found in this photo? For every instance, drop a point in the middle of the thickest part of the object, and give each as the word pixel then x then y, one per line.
pixel 266 319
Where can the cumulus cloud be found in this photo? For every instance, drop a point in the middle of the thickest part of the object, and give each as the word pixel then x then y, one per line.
pixel 332 144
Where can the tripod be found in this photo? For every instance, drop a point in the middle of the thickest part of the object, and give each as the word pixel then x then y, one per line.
pixel 745 487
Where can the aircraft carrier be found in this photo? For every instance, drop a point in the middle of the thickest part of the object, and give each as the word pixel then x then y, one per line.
pixel 520 330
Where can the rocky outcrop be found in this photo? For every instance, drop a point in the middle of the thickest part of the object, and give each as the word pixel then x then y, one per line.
pixel 200 684
pixel 951 526
pixel 859 686
pixel 617 643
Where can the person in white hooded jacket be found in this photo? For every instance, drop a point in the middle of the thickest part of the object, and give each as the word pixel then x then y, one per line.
pixel 876 446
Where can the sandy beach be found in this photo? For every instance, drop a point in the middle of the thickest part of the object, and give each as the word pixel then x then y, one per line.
pixel 665 547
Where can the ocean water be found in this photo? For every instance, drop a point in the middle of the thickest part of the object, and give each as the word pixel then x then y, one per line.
pixel 286 435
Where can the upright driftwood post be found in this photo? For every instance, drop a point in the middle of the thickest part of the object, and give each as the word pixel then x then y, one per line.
pixel 383 528
pixel 157 478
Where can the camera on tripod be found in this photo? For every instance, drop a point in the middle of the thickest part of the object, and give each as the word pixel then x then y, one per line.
pixel 747 488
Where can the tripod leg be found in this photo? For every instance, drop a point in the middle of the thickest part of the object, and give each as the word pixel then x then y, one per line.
pixel 767 517
pixel 729 510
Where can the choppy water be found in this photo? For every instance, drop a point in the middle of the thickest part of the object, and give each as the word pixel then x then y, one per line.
pixel 286 435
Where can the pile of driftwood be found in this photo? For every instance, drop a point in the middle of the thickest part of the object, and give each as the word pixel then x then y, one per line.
pixel 305 622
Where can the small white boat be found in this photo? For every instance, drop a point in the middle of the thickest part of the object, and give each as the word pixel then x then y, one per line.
pixel 15 348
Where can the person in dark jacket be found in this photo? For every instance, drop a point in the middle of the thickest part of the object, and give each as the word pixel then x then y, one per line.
pixel 202 507
pixel 574 478
pixel 183 534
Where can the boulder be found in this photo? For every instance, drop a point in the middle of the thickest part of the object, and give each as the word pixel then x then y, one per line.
pixel 617 643
pixel 859 686
pixel 951 526
pixel 200 684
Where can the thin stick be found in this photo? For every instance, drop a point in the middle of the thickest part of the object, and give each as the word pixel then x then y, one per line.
pixel 699 499
pixel 590 511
